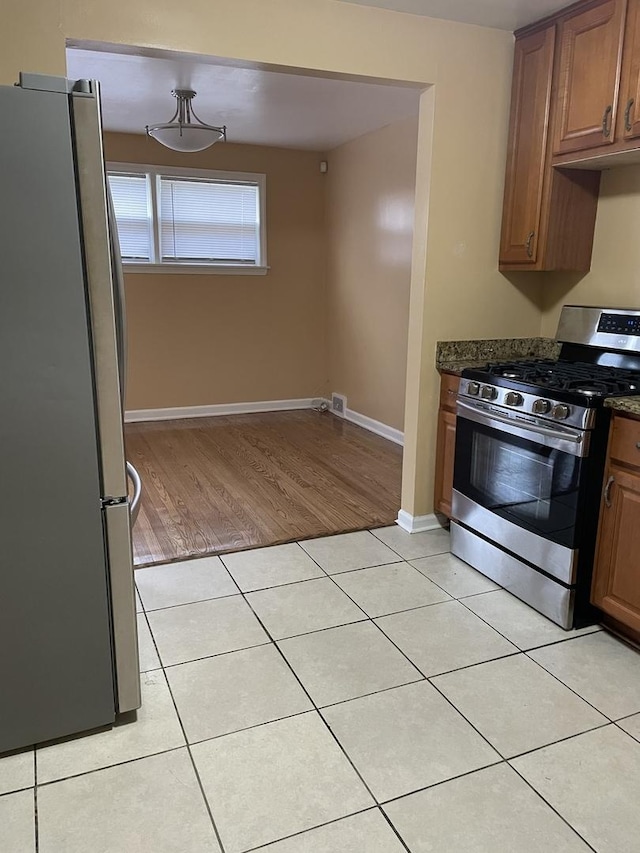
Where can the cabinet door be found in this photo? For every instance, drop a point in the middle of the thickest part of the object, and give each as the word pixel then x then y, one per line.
pixel 530 99
pixel 630 97
pixel 445 450
pixel 589 75
pixel 616 582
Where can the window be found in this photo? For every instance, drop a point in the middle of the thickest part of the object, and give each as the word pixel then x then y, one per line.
pixel 184 220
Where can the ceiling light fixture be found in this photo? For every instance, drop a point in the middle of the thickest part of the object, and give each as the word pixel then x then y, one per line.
pixel 185 131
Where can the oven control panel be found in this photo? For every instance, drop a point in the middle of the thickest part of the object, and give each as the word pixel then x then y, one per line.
pixel 518 405
pixel 619 324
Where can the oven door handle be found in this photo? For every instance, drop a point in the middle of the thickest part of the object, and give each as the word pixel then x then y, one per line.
pixel 576 443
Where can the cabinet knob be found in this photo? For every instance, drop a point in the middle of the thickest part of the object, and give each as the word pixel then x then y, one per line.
pixel 528 243
pixel 606 122
pixel 627 115
pixel 607 492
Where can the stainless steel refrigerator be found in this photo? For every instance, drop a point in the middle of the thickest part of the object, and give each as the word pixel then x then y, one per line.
pixel 68 639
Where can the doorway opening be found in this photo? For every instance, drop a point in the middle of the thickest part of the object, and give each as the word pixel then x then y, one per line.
pixel 232 367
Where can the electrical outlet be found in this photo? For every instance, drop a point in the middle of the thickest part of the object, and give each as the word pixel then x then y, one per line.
pixel 338 404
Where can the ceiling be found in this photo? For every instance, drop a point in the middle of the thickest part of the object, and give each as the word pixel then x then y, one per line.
pixel 503 14
pixel 259 107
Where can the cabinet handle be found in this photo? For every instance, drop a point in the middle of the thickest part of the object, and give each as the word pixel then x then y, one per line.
pixel 606 122
pixel 607 492
pixel 638 445
pixel 627 116
pixel 527 245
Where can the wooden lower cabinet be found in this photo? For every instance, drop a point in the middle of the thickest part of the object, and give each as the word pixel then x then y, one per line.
pixel 445 444
pixel 616 579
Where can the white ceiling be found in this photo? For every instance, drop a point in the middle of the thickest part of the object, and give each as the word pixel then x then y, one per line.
pixel 503 14
pixel 259 107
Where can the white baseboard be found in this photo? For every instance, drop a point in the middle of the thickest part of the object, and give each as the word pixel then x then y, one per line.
pixel 179 412
pixel 372 425
pixel 135 415
pixel 417 523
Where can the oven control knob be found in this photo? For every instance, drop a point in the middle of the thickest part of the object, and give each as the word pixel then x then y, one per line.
pixel 488 392
pixel 514 399
pixel 541 407
pixel 473 388
pixel 560 412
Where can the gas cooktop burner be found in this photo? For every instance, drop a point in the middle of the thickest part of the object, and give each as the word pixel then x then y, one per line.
pixel 587 380
pixel 595 390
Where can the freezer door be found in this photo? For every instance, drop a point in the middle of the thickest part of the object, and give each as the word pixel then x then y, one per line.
pixel 125 633
pixel 107 329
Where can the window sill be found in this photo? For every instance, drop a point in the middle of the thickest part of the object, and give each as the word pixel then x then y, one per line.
pixel 193 269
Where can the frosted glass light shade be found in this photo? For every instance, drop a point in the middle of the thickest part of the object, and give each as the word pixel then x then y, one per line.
pixel 186 137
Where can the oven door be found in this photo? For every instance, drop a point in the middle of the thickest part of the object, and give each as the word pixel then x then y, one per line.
pixel 520 482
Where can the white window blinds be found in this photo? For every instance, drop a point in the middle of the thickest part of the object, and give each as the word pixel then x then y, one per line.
pixel 205 221
pixel 130 200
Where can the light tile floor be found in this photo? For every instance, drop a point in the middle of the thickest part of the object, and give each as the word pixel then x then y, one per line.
pixel 362 693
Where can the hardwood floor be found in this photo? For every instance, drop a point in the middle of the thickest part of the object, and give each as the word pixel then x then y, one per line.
pixel 227 483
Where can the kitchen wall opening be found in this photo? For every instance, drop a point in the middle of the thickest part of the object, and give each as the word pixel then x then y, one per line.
pixel 233 360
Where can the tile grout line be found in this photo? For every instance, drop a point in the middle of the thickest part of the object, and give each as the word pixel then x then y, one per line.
pixel 508 639
pixel 424 788
pixel 553 809
pixel 188 746
pixel 207 657
pixel 109 766
pixel 624 731
pixel 526 752
pixel 560 740
pixel 394 830
pixel 371 808
pixel 627 717
pixel 575 692
pixel 314 706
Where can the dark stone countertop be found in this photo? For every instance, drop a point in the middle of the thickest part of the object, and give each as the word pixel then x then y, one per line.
pixel 625 405
pixel 455 356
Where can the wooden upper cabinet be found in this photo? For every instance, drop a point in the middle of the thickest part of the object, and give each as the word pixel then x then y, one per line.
pixel 590 48
pixel 630 89
pixel 530 104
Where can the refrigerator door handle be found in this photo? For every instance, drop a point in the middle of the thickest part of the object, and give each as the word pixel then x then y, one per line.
pixel 120 313
pixel 137 492
pixel 99 277
pixel 125 632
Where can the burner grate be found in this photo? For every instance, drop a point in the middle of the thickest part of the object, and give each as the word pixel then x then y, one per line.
pixel 588 380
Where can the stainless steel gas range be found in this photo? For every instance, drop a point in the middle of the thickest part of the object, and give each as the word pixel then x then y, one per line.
pixel 531 441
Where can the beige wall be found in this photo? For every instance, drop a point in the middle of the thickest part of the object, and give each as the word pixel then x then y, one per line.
pixel 614 279
pixel 456 290
pixel 205 339
pixel 370 208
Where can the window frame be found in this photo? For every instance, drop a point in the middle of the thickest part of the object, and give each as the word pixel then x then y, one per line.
pixel 157 265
